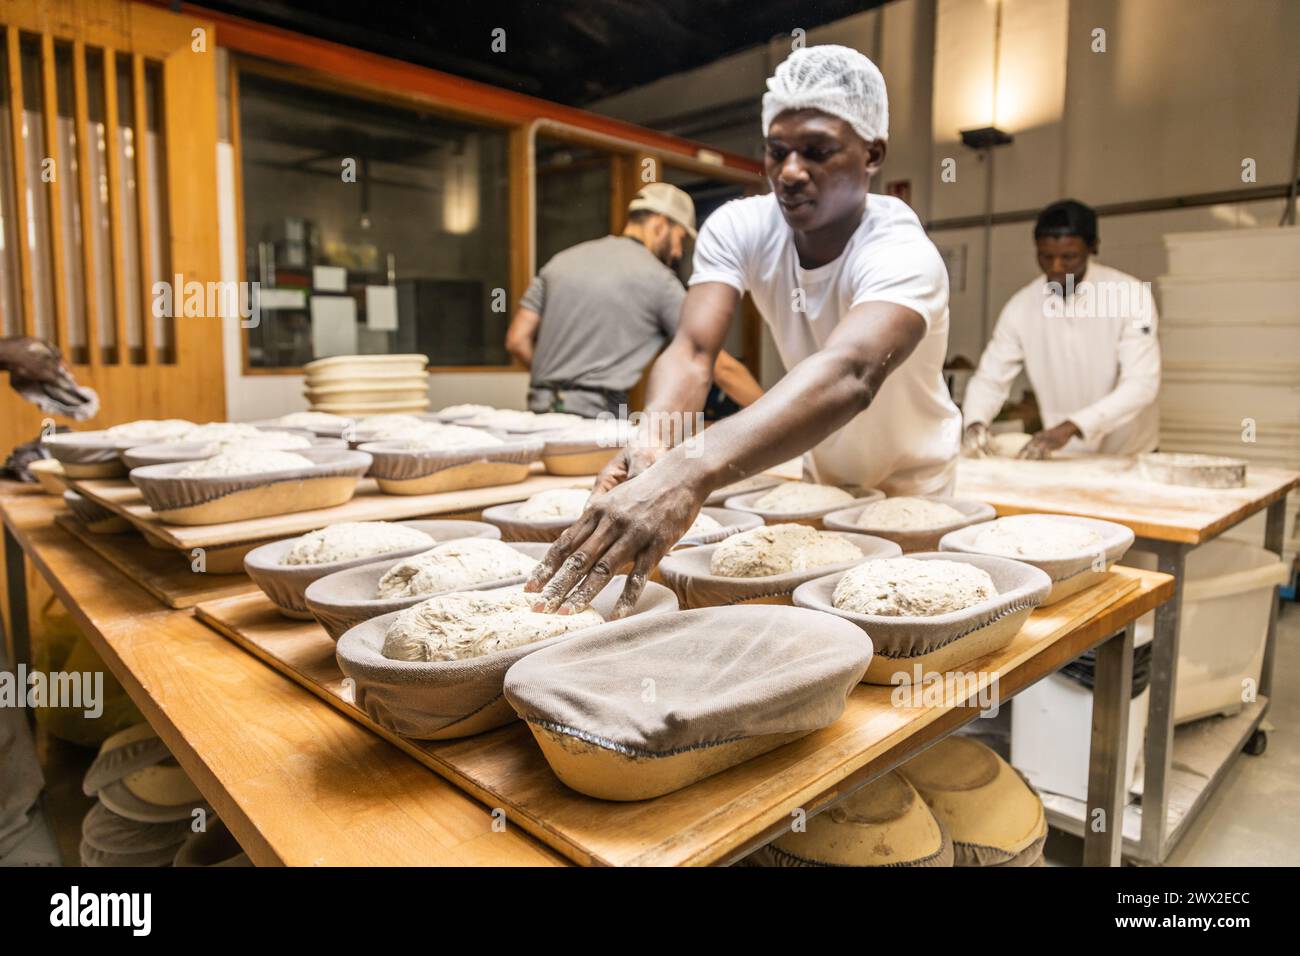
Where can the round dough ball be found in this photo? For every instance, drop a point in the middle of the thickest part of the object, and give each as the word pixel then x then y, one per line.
pixel 906 587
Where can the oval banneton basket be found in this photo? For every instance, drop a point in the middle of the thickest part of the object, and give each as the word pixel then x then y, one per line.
pixel 87 454
pixel 96 518
pixel 406 471
pixel 331 480
pixel 919 539
pixel 1069 574
pixel 564 455
pixel 139 456
pixel 729 684
pixel 943 642
pixel 760 482
pixel 733 522
pixel 439 700
pixel 687 573
pixel 1196 471
pixel 514 528
pixel 813 517
pixel 286 584
pixel 342 600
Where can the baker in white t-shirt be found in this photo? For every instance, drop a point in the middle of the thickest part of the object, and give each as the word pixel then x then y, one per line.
pixel 856 297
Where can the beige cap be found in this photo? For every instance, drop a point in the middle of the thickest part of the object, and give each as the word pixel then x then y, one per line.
pixel 667 200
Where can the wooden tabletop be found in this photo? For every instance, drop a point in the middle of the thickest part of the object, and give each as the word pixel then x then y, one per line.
pixel 297 782
pixel 1111 488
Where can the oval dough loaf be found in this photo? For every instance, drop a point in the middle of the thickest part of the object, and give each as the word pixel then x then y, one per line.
pixel 908 514
pixel 350 540
pixel 453 565
pixel 779 549
pixel 906 587
pixel 793 497
pixel 1035 536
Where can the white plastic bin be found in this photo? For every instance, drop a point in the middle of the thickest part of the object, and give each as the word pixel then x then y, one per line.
pixel 1227 592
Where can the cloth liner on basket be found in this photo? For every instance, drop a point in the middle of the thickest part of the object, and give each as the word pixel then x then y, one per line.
pixel 443 699
pixel 94 515
pixel 286 584
pixel 213 846
pixel 180 500
pixel 88 454
pixel 342 600
pixel 733 522
pixel 760 482
pixel 124 752
pixel 1069 574
pixel 111 832
pixel 944 641
pixel 918 539
pixel 139 456
pixel 399 468
pixel 645 706
pixel 161 793
pixel 687 573
pixel 995 818
pixel 813 516
pixel 516 529
pixel 93 857
pixel 886 824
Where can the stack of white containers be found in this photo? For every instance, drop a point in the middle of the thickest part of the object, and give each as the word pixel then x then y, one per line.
pixel 358 385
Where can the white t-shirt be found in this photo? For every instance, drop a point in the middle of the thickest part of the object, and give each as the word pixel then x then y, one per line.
pixel 906 441
pixel 1091 357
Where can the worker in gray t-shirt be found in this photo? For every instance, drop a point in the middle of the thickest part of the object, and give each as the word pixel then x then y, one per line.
pixel 598 313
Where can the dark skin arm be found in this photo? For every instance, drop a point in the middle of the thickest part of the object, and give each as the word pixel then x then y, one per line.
pixel 1050 439
pixel 647 497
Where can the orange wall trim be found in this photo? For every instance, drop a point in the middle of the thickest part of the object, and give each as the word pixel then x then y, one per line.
pixel 371 69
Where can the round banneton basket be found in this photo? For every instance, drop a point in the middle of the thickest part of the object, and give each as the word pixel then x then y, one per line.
pixel 438 700
pixel 753 483
pixel 943 642
pixel 912 539
pixel 729 684
pixel 687 573
pixel 343 600
pixel 1197 471
pixel 330 480
pixel 812 517
pixel 286 584
pixel 1070 573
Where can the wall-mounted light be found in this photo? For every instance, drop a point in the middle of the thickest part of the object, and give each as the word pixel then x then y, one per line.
pixel 986 137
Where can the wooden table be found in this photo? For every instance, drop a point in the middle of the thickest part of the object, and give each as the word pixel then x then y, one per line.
pixel 1169 521
pixel 297 782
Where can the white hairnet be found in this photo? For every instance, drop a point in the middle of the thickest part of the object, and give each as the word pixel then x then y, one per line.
pixel 834 79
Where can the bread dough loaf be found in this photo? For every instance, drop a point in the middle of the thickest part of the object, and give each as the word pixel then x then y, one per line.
pixel 908 514
pixel 794 497
pixel 559 504
pixel 349 540
pixel 244 461
pixel 453 566
pixel 148 430
pixel 216 432
pixel 431 436
pixel 1009 444
pixel 906 587
pixel 509 419
pixel 277 441
pixel 1035 536
pixel 454 627
pixel 703 524
pixel 467 410
pixel 780 549
pixel 310 420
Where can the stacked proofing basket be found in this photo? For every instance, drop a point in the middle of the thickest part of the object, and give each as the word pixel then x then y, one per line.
pixel 360 385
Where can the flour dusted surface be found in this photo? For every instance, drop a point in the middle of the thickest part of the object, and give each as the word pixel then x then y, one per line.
pixel 554 505
pixel 908 514
pixel 1035 536
pixel 349 540
pixel 906 587
pixel 780 549
pixel 793 497
pixel 234 460
pixel 454 565
pixel 468 624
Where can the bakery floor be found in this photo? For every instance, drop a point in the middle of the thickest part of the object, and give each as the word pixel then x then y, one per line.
pixel 1250 819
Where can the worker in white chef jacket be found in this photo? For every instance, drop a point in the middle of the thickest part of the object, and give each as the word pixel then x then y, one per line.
pixel 1085 336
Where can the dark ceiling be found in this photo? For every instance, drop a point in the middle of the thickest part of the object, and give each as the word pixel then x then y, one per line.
pixel 569 51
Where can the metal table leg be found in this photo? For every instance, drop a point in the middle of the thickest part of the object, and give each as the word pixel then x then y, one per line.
pixel 1103 838
pixel 1159 748
pixel 1274 533
pixel 16 587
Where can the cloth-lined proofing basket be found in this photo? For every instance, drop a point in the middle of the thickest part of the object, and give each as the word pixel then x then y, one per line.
pixel 92 857
pixel 110 832
pixel 286 584
pixel 342 600
pixel 440 700
pixel 405 471
pixel 687 573
pixel 920 539
pixel 759 482
pixel 160 793
pixel 992 814
pixel 96 518
pixel 49 473
pixel 733 522
pixel 945 641
pixel 645 706
pixel 1070 574
pixel 124 752
pixel 813 517
pixel 886 823
pixel 138 456
pixel 331 480
pixel 88 454
pixel 514 528
pixel 214 846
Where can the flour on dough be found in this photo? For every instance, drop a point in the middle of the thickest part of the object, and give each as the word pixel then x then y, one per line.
pixel 349 540
pixel 432 436
pixel 908 514
pixel 1035 536
pixel 1009 444
pixel 780 549
pixel 310 420
pixel 558 504
pixel 244 461
pixel 703 524
pixel 149 430
pixel 794 497
pixel 906 587
pixel 453 566
pixel 454 627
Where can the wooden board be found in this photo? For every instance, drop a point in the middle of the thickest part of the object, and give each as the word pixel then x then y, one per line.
pixel 723 817
pixel 1111 488
pixel 164 574
pixel 298 783
pixel 369 504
